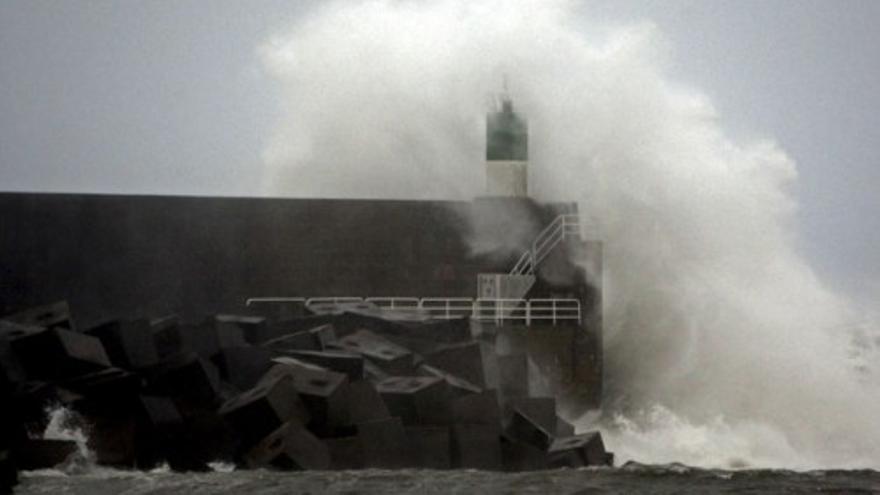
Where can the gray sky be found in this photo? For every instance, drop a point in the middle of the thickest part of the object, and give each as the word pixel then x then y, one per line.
pixel 167 96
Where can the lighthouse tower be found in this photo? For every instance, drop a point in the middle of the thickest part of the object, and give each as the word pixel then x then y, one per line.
pixel 507 152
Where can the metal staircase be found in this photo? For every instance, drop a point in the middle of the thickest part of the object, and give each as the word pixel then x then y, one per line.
pixel 514 286
pixel 566 225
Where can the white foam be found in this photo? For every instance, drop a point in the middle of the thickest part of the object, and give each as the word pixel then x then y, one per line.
pixel 711 315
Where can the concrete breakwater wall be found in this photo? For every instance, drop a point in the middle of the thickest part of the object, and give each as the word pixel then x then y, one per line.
pixel 124 256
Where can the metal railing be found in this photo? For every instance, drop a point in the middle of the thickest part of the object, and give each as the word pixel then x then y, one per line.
pixel 563 226
pixel 526 311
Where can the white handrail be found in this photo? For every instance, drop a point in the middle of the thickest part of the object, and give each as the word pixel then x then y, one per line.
pixel 394 302
pixel 252 300
pixel 497 310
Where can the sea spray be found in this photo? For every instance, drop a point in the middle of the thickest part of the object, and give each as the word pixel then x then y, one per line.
pixel 65 424
pixel 711 315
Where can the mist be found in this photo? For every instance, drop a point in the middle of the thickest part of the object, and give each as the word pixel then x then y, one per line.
pixel 723 347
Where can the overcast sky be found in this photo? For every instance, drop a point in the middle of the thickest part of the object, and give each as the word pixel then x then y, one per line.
pixel 168 96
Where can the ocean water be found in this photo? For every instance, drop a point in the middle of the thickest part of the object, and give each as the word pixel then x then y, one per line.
pixel 631 478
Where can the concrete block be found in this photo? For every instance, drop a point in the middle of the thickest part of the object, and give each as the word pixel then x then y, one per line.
pixel 348 319
pixel 324 335
pixel 364 403
pixel 564 428
pixel 388 356
pixel 250 328
pixel 32 399
pixel 12 374
pixel 201 338
pixel 384 444
pixel 280 328
pixel 206 437
pixel 8 471
pixel 166 336
pixel 261 410
pixel 457 386
pixel 42 453
pixel 609 459
pixel 323 392
pixel 159 434
pixel 129 343
pixel 113 439
pixel 290 447
pixel 55 315
pixel 11 331
pixel 300 341
pixel 430 446
pixel 476 446
pixel 523 428
pixel 541 410
pixel 110 384
pixel 348 363
pixel 513 377
pixel 58 353
pixel 464 360
pixel 243 366
pixel 345 452
pixel 479 408
pixel 189 377
pixel 586 449
pixel 517 456
pixel 417 399
pixel 374 373
pixel 442 331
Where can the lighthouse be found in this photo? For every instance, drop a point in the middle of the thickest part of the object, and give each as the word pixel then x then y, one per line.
pixel 507 152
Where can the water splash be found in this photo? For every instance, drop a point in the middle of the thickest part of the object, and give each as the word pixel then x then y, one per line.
pixel 711 314
pixel 65 424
